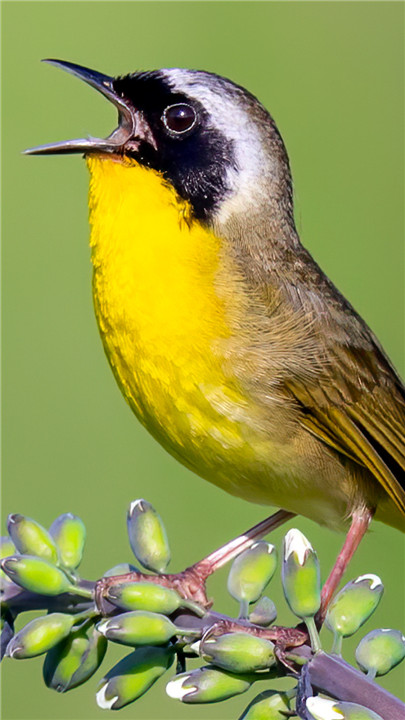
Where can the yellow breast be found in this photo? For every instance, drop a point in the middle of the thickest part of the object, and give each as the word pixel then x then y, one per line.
pixel 161 313
pixel 166 296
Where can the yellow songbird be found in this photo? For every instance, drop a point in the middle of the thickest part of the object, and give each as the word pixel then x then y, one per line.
pixel 227 340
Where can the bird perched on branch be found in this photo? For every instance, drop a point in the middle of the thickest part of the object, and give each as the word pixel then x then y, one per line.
pixel 227 340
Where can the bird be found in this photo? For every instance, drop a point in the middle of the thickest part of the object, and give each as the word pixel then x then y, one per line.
pixel 227 340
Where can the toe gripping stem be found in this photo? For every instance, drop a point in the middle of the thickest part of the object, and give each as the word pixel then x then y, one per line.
pixel 191 583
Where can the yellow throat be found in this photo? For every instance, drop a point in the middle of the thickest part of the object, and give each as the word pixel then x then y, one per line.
pixel 160 311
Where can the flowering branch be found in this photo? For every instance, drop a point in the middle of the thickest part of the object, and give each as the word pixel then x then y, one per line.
pixel 145 611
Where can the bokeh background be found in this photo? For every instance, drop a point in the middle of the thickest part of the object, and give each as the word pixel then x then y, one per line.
pixel 331 74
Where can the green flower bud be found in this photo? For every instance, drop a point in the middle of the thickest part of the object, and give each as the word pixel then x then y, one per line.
pixel 206 685
pixel 354 604
pixel 75 660
pixel 30 538
pixel 138 628
pixel 380 650
pixel 301 576
pixel 40 635
pixel 269 705
pixel 36 575
pixel 147 536
pixel 121 569
pixel 325 709
pixel 69 534
pixel 144 596
pixel 251 571
pixel 133 676
pixel 238 652
pixel 264 613
pixel 7 548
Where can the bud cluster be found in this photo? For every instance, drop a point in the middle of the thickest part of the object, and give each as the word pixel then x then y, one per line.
pixel 41 561
pixel 45 563
pixel 145 618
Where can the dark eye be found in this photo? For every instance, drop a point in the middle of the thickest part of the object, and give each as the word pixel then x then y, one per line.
pixel 179 118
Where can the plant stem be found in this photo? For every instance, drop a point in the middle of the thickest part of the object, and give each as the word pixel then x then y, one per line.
pixel 333 676
pixel 85 615
pixel 313 634
pixel 243 610
pixel 337 644
pixel 83 592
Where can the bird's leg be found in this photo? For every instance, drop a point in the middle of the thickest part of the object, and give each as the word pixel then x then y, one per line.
pixel 190 583
pixel 208 565
pixel 359 525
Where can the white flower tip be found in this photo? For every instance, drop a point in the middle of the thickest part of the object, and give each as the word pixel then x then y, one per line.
pixel 134 504
pixel 175 689
pixel 195 647
pixel 296 542
pixel 102 701
pixel 375 580
pixel 323 709
pixel 102 627
pixel 13 651
pixel 269 547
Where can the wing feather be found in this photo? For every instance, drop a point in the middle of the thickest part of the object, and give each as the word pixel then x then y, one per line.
pixel 359 410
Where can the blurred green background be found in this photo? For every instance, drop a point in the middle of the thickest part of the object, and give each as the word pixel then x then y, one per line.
pixel 331 74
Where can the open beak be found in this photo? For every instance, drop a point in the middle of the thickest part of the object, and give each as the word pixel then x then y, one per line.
pixel 131 130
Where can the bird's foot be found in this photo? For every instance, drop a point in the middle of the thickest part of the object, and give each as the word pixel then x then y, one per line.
pixel 282 637
pixel 190 584
pixel 285 639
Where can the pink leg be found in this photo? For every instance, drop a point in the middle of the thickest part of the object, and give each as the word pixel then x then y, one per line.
pixel 360 522
pixel 224 554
